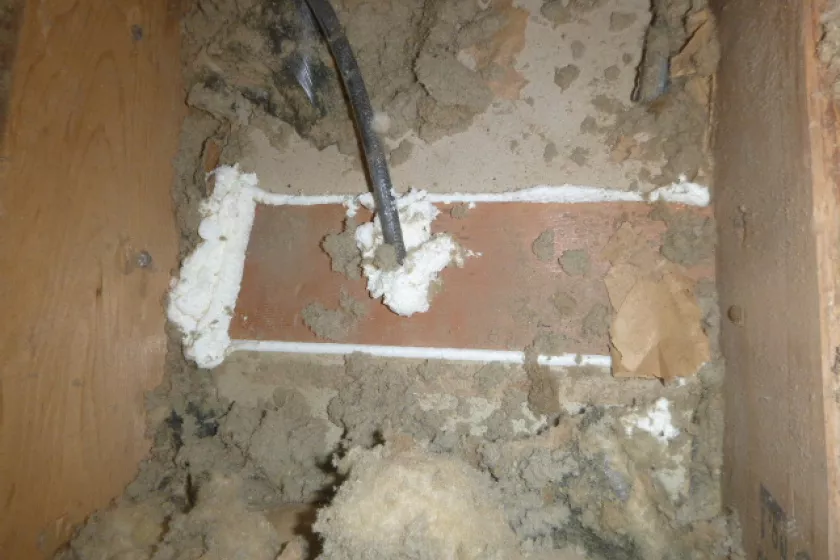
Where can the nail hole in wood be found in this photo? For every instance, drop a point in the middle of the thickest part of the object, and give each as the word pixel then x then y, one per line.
pixel 735 314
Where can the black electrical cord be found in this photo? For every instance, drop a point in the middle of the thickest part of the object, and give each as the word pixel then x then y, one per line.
pixel 377 164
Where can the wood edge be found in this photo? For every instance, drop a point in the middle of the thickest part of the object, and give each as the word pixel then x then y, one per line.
pixel 11 21
pixel 824 137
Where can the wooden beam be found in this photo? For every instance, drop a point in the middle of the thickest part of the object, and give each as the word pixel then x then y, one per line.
pixel 11 17
pixel 777 210
pixel 825 171
pixel 93 122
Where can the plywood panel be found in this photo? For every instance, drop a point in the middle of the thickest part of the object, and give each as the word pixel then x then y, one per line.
pixel 92 126
pixel 776 204
pixel 500 300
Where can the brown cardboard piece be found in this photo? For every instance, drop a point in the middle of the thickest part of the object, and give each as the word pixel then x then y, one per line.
pixel 656 329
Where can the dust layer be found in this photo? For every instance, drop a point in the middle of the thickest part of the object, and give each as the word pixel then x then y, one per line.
pixel 575 262
pixel 552 447
pixel 566 11
pixel 334 324
pixel 668 127
pixel 543 246
pixel 345 257
pixel 259 64
pixel 690 238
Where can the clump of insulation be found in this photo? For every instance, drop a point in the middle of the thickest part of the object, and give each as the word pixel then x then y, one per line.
pixel 414 504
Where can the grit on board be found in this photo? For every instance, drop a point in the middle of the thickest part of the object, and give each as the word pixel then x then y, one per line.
pixel 500 300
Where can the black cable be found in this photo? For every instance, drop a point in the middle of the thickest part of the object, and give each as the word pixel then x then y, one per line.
pixel 377 164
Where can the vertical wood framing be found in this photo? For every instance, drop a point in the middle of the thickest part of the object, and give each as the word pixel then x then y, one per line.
pixel 776 206
pixel 11 12
pixel 91 128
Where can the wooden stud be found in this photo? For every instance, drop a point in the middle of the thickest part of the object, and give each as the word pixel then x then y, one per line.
pixel 93 123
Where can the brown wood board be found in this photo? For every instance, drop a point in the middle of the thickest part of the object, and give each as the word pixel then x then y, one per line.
pixel 93 123
pixel 825 165
pixel 11 19
pixel 500 300
pixel 776 206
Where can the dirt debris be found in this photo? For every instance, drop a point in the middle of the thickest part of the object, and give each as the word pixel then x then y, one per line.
pixel 263 65
pixel 608 105
pixel 619 21
pixel 215 468
pixel 385 257
pixel 438 72
pixel 563 303
pixel 690 238
pixel 401 154
pixel 569 475
pixel 589 125
pixel 579 156
pixel 567 484
pixel 542 391
pixel 543 246
pixel 575 262
pixel 383 388
pixel 550 152
pixel 566 11
pixel 597 321
pixel 334 324
pixel 564 77
pixel 219 525
pixel 459 211
pixel 345 257
pixel 675 130
pixel 669 126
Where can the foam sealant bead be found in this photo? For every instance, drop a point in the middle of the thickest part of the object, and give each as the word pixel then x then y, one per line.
pixel 203 297
pixel 406 288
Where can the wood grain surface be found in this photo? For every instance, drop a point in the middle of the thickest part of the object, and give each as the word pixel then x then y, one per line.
pixel 776 206
pixel 92 126
pixel 11 16
pixel 501 300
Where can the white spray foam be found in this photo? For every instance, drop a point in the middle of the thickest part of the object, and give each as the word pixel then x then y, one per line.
pixel 656 422
pixel 683 192
pixel 405 290
pixel 203 298
pixel 419 353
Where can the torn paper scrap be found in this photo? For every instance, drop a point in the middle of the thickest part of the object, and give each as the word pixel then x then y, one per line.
pixel 656 330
